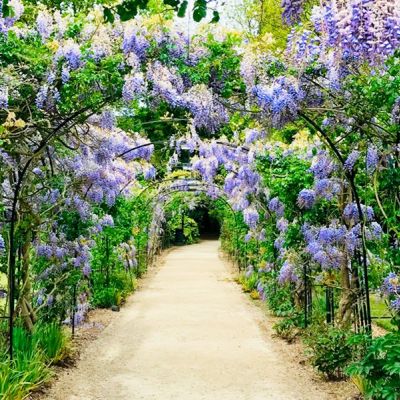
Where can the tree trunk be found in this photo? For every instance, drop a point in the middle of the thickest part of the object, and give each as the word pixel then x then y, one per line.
pixel 347 298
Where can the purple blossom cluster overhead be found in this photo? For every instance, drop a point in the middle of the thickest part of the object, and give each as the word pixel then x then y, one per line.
pixel 2 245
pixel 280 98
pixel 292 10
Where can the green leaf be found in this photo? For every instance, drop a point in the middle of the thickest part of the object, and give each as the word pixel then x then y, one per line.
pixel 182 9
pixel 173 3
pixel 215 18
pixel 108 15
pixel 7 10
pixel 199 10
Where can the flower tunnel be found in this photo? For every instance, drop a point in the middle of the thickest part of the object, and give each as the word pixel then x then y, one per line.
pixel 120 136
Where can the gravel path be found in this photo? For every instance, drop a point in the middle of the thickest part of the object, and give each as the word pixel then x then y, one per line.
pixel 188 334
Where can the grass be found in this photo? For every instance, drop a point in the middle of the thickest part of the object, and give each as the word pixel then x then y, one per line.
pixel 34 353
pixel 380 309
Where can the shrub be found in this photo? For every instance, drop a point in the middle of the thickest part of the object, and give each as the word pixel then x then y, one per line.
pixel 279 299
pixel 329 349
pixel 249 283
pixel 121 285
pixel 288 328
pixel 377 373
pixel 105 297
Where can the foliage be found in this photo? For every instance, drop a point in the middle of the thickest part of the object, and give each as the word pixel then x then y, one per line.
pixel 378 370
pixel 288 327
pixel 293 143
pixel 52 340
pixel 33 354
pixel 329 349
pixel 120 285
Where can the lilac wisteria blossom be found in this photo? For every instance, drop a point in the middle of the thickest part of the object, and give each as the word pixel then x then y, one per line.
pixel 306 198
pixel 251 217
pixel 135 40
pixel 127 254
pixel 287 273
pixel 134 86
pixel 351 213
pixel 325 244
pixel 280 98
pixel 44 23
pixel 292 10
pixel 276 206
pixel 371 159
pixel 108 119
pixel 2 245
pixel 351 160
pixel 3 97
pixel 70 52
pixel 391 289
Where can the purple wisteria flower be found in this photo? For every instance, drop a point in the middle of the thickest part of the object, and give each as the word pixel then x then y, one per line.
pixel 37 171
pixel 4 97
pixel 325 244
pixel 251 135
pixel 249 271
pixel 374 231
pixel 251 217
pixel 306 198
pixel 282 225
pixel 371 159
pixel 395 304
pixel 135 41
pixel 44 250
pixel 50 300
pixel 276 206
pixel 351 213
pixel 134 86
pixel 323 166
pixel 41 97
pixel 391 284
pixel 292 10
pixel 149 172
pixel 287 274
pixel 72 54
pixel 107 120
pixel 2 245
pixel 351 160
pixel 280 98
pixel 395 114
pixel 44 24
pixel 65 74
pixel 106 220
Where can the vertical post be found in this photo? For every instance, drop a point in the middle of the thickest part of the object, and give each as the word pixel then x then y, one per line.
pixel 11 288
pixel 305 295
pixel 107 261
pixel 73 310
pixel 330 306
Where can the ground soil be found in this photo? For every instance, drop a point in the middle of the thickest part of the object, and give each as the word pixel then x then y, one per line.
pixel 189 333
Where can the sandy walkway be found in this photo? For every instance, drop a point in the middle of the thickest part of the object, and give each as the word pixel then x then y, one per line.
pixel 188 334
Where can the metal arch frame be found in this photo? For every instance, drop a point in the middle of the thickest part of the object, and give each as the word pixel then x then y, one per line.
pixel 194 186
pixel 11 277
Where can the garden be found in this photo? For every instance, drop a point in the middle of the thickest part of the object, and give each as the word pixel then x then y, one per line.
pixel 122 135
